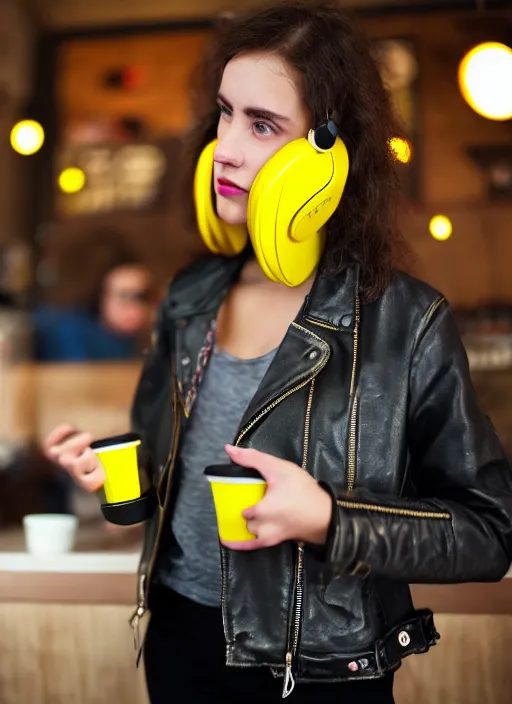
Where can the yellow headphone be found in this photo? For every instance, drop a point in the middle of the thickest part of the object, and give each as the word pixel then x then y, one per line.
pixel 290 201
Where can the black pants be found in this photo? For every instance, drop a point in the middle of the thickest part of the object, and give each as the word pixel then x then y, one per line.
pixel 184 656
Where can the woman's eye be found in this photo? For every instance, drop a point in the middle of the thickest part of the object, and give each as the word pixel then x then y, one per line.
pixel 224 110
pixel 262 129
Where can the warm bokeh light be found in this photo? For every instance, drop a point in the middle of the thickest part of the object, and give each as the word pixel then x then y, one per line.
pixel 27 137
pixel 72 180
pixel 440 227
pixel 401 149
pixel 485 80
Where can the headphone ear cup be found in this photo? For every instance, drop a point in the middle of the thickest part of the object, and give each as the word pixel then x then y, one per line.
pixel 220 237
pixel 291 200
pixel 260 221
pixel 316 211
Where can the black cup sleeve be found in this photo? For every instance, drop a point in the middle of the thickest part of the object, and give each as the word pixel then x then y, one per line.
pixel 127 513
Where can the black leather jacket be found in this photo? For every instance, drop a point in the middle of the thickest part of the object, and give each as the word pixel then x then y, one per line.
pixel 376 402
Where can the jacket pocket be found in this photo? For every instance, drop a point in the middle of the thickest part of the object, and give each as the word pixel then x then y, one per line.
pixel 336 617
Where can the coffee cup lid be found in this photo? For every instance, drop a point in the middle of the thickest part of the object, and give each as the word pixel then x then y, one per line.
pixel 115 441
pixel 232 471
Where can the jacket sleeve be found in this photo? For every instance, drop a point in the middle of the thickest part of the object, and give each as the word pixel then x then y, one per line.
pixel 459 529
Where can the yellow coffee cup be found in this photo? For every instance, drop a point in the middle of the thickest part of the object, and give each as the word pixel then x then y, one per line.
pixel 121 497
pixel 118 455
pixel 234 489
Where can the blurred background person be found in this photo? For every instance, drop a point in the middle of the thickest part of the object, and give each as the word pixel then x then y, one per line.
pixel 112 325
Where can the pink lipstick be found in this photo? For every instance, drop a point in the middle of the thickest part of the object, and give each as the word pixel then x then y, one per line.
pixel 227 188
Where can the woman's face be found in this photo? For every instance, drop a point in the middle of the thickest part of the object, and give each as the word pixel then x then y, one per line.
pixel 261 111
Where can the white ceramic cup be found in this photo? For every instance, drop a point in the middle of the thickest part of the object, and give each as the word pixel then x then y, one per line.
pixel 50 533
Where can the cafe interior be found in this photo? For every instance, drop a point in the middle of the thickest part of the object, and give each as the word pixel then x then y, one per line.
pixel 94 99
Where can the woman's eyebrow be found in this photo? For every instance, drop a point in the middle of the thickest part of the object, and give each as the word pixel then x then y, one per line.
pixel 260 113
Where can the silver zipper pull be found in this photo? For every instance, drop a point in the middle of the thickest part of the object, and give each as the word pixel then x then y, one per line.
pixel 136 617
pixel 135 623
pixel 289 682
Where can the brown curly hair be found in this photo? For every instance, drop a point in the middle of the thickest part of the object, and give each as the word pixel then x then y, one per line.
pixel 339 75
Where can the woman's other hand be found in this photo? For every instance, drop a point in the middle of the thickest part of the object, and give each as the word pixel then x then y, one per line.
pixel 70 448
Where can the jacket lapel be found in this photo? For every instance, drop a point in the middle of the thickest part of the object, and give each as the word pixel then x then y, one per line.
pixel 300 357
pixel 304 352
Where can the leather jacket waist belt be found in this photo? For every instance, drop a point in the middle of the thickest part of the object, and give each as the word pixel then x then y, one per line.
pixel 415 635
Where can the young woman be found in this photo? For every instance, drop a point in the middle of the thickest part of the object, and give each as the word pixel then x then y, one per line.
pixel 308 357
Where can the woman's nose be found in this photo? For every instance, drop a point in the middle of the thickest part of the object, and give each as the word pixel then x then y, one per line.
pixel 228 150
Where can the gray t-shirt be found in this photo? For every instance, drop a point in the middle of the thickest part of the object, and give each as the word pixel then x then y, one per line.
pixel 192 568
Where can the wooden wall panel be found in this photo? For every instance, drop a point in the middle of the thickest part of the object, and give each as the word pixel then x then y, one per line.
pixel 54 654
pixel 63 14
pixel 95 397
pixel 166 59
pixel 470 268
pixel 469 665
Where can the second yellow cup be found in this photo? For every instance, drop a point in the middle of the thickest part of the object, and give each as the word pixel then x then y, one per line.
pixel 127 497
pixel 234 489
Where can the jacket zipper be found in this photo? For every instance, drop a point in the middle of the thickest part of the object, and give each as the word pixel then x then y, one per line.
pixel 144 578
pixel 327 326
pixel 351 455
pixel 351 470
pixel 412 513
pixel 289 681
pixel 137 615
pixel 310 380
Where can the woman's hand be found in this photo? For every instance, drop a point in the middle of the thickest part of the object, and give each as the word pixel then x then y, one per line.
pixel 69 447
pixel 294 507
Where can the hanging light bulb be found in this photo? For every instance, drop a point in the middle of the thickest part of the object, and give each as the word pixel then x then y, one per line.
pixel 71 180
pixel 27 137
pixel 485 80
pixel 401 149
pixel 440 227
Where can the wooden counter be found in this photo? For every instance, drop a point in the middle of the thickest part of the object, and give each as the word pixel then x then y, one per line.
pixel 65 639
pixel 64 634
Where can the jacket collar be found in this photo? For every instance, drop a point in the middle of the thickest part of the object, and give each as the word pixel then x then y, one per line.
pixel 201 287
pixel 331 302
